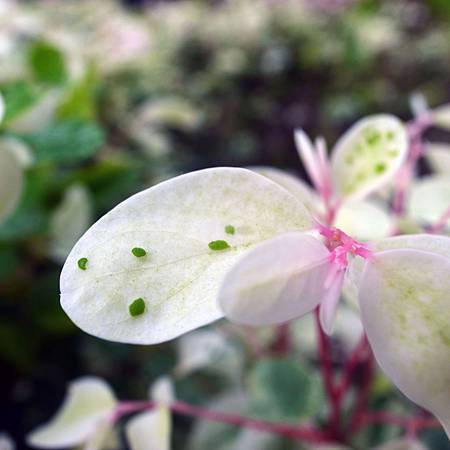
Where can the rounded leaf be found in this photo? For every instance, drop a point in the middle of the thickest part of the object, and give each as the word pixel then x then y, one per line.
pixel 368 155
pixel 277 281
pixel 294 185
pixel 364 220
pixel 176 222
pixel 429 199
pixel 404 298
pixel 11 180
pixel 88 403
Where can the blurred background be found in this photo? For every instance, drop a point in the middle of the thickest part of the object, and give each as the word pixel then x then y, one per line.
pixel 105 98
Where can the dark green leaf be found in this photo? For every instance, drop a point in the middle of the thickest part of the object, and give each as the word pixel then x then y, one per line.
pixel 18 97
pixel 47 63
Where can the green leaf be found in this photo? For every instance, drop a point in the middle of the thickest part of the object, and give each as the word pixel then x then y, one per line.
pixel 18 96
pixel 283 389
pixel 66 141
pixel 79 103
pixel 47 64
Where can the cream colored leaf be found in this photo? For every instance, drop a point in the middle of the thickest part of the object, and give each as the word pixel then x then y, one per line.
pixel 441 116
pixel 368 156
pixel 279 280
pixel 294 185
pixel 429 199
pixel 364 220
pixel 88 403
pixel 405 308
pixel 438 156
pixel 150 430
pixel 179 278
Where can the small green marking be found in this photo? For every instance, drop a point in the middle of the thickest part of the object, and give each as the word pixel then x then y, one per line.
pixel 137 307
pixel 218 245
pixel 229 229
pixel 380 168
pixel 138 252
pixel 372 136
pixel 82 263
pixel 390 135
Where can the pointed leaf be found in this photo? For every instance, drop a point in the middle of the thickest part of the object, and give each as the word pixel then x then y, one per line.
pixel 89 401
pixel 150 430
pixel 368 155
pixel 405 308
pixel 181 225
pixel 277 281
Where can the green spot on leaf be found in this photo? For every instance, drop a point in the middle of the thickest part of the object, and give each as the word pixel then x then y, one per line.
pixel 380 168
pixel 137 307
pixel 372 136
pixel 218 245
pixel 138 252
pixel 229 229
pixel 82 263
pixel 390 135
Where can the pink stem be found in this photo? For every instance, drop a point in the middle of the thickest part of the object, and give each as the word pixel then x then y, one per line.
pixel 327 377
pixel 305 433
pixel 441 224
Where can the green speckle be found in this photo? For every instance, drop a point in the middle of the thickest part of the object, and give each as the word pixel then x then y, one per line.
pixel 380 168
pixel 390 135
pixel 138 252
pixel 393 153
pixel 137 307
pixel 372 136
pixel 82 263
pixel 218 245
pixel 229 229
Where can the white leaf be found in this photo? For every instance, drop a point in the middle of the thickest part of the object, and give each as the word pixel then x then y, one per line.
pixel 294 185
pixel 277 281
pixel 405 309
pixel 440 245
pixel 207 349
pixel 162 391
pixel 429 199
pixel 364 220
pixel 11 180
pixel 438 156
pixel 150 430
pixel 180 276
pixel 70 220
pixel 88 403
pixel 368 156
pixel 441 116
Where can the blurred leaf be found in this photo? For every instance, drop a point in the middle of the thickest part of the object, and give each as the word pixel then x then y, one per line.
pixel 283 389
pixel 47 63
pixel 18 97
pixel 66 141
pixel 79 102
pixel 9 262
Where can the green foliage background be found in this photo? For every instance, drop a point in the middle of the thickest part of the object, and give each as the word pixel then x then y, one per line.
pixel 215 84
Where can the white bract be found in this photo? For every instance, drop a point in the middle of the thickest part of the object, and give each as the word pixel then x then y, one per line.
pixel 232 242
pixel 83 419
pixel 438 157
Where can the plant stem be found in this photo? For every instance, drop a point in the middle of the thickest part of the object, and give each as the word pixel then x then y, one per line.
pixel 301 433
pixel 327 377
